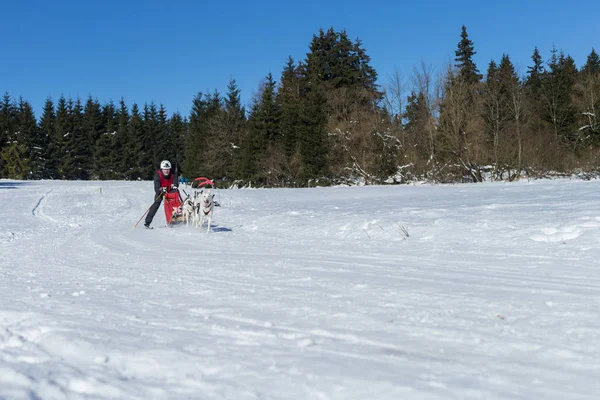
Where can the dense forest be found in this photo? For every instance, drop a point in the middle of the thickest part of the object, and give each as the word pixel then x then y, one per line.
pixel 327 119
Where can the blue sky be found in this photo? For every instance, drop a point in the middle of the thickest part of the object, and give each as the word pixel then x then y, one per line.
pixel 167 51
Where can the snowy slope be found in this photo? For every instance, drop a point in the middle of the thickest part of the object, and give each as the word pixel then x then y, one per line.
pixel 302 293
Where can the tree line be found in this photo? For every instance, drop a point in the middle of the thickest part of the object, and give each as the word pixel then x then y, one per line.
pixel 327 119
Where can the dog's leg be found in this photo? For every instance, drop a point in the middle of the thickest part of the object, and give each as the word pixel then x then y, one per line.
pixel 200 220
pixel 209 222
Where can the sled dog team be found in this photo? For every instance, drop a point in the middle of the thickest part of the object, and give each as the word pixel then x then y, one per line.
pixel 199 209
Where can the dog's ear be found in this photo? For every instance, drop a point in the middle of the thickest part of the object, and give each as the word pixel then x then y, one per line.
pixel 213 196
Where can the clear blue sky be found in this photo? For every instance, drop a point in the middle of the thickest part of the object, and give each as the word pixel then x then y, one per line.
pixel 166 51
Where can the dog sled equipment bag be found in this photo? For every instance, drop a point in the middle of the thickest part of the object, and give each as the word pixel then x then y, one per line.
pixel 172 204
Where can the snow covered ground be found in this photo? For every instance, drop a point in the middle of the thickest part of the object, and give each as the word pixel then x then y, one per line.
pixel 302 293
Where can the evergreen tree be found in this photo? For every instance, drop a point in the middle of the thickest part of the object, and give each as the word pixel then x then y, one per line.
pixel 533 90
pixel 47 130
pixel 149 156
pixel 8 120
pixel 337 62
pixel 288 98
pixel 367 76
pixel 123 143
pixel 163 148
pixel 62 129
pixel 77 145
pixel 105 165
pixel 212 163
pixel 318 68
pixel 264 133
pixel 21 132
pixel 230 132
pixel 266 119
pixel 417 114
pixel 592 65
pixel 16 162
pixel 535 72
pixel 177 127
pixel 195 143
pixel 464 59
pixel 140 150
pixel 557 89
pixel 28 137
pixel 93 129
pixel 313 133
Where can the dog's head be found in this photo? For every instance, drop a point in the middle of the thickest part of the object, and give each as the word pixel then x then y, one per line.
pixel 206 199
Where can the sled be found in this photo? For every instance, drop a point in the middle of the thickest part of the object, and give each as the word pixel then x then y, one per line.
pixel 172 203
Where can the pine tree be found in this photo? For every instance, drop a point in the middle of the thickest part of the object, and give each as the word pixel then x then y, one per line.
pixel 139 149
pixel 268 116
pixel 47 130
pixel 288 98
pixel 592 65
pixel 8 120
pixel 313 133
pixel 124 145
pixel 464 59
pixel 28 137
pixel 230 130
pixel 62 129
pixel 195 143
pixel 177 127
pixel 21 132
pixel 535 72
pixel 77 145
pixel 533 90
pixel 104 165
pixel 557 89
pixel 16 162
pixel 318 58
pixel 367 76
pixel 342 60
pixel 92 130
pixel 264 133
pixel 163 148
pixel 149 157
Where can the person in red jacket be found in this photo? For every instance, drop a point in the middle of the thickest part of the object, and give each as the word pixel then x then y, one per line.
pixel 164 180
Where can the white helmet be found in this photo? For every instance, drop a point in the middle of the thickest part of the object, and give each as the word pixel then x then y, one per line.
pixel 165 164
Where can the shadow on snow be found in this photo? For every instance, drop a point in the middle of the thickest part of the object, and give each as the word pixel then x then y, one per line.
pixel 11 185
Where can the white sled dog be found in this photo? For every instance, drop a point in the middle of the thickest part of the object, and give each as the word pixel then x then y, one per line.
pixel 204 208
pixel 188 210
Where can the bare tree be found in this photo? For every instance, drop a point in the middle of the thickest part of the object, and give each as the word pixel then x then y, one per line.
pixel 587 101
pixel 423 79
pixel 461 125
pixel 492 103
pixel 517 108
pixel 362 141
pixel 394 94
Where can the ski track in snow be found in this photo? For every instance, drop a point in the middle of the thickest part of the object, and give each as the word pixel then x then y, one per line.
pixel 303 293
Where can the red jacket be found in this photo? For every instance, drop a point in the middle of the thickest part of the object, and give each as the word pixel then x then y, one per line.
pixel 164 181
